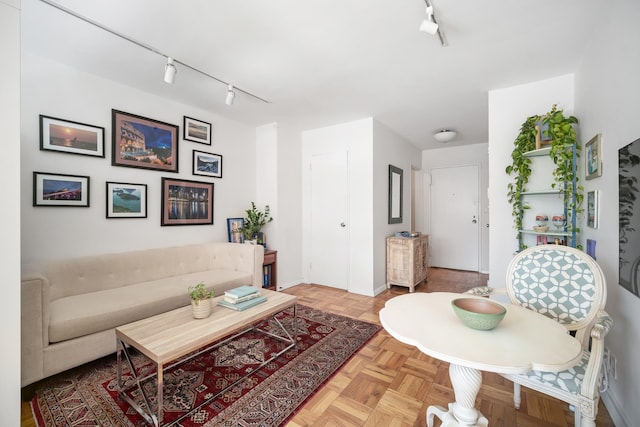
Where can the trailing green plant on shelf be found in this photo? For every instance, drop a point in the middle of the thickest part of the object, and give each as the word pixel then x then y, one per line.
pixel 199 293
pixel 563 141
pixel 255 220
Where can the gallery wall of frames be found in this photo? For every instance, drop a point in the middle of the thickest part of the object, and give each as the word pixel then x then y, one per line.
pixel 136 142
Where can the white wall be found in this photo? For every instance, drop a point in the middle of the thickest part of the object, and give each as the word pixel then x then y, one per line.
pixel 10 214
pixel 508 109
pixel 357 139
pixel 53 89
pixel 389 149
pixel 476 154
pixel 371 147
pixel 607 102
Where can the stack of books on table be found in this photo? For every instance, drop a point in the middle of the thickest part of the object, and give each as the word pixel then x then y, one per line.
pixel 241 298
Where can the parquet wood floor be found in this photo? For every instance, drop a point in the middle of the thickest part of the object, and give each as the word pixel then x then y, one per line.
pixel 390 384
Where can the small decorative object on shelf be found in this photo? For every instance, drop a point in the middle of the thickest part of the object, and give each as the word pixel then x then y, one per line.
pixel 200 300
pixel 541 223
pixel 558 221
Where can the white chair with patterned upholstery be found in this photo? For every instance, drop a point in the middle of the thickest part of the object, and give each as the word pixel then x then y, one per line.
pixel 568 286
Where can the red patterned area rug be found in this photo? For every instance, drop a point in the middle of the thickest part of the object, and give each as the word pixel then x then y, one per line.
pixel 87 395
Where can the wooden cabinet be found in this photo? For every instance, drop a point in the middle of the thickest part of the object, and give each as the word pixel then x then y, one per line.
pixel 407 263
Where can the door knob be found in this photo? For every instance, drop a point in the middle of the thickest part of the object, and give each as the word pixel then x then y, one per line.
pixel 473 221
pixel 342 224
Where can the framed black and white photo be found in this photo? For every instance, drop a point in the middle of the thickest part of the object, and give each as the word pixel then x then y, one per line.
pixel 207 164
pixel 139 142
pixel 55 189
pixel 186 202
pixel 71 137
pixel 196 131
pixel 126 200
pixel 395 195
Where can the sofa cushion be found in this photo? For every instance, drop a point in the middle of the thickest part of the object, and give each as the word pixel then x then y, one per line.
pixel 84 314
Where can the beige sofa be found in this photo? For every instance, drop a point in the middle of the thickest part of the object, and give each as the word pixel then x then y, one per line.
pixel 70 308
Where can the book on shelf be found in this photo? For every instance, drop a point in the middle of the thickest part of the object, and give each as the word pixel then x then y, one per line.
pixel 241 291
pixel 234 300
pixel 240 306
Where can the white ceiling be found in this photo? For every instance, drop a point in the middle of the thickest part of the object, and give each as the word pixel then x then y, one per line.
pixel 325 62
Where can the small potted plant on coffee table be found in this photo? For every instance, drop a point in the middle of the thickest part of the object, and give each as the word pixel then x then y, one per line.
pixel 200 301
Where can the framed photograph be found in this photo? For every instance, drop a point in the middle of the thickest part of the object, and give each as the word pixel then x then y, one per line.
pixel 139 142
pixel 207 164
pixel 186 202
pixel 126 200
pixel 196 131
pixel 592 208
pixel 54 189
pixel 71 137
pixel 234 229
pixel 593 158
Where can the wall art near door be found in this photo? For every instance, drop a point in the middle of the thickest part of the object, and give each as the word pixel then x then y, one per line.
pixel 139 142
pixel 207 164
pixel 593 208
pixel 234 229
pixel 593 158
pixel 196 131
pixel 186 202
pixel 395 195
pixel 126 200
pixel 71 137
pixel 54 189
pixel 629 216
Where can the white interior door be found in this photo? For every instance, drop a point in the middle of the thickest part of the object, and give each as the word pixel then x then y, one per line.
pixel 454 236
pixel 329 215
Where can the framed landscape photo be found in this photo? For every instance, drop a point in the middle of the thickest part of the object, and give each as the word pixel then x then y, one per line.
pixel 207 164
pixel 196 131
pixel 126 200
pixel 234 229
pixel 139 142
pixel 592 158
pixel 71 137
pixel 186 202
pixel 54 189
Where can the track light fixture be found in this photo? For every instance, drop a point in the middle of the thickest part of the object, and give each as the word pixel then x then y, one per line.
pixel 430 25
pixel 230 95
pixel 170 71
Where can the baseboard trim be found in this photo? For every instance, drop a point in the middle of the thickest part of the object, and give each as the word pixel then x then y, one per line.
pixel 618 418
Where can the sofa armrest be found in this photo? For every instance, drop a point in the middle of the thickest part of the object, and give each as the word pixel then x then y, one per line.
pixel 34 317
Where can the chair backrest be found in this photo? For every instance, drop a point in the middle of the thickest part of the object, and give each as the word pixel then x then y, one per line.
pixel 559 282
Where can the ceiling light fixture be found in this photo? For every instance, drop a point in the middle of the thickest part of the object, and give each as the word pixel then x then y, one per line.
pixel 445 135
pixel 170 60
pixel 230 95
pixel 170 71
pixel 430 25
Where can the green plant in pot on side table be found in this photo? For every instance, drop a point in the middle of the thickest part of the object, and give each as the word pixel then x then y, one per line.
pixel 253 223
pixel 200 300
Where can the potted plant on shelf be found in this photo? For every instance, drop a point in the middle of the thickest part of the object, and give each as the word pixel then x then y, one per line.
pixel 200 300
pixel 562 145
pixel 253 223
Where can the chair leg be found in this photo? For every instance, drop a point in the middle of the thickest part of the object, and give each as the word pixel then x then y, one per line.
pixel 516 395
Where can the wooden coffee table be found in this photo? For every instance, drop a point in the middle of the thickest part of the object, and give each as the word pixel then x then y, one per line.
pixel 167 337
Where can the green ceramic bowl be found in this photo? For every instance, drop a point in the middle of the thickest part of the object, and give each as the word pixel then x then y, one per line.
pixel 479 313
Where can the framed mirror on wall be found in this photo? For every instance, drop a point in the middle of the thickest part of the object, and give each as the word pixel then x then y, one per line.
pixel 395 195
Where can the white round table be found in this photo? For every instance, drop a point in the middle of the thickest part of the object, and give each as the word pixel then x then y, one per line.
pixel 523 341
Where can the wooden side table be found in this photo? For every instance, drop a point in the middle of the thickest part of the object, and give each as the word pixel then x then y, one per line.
pixel 271 260
pixel 407 261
